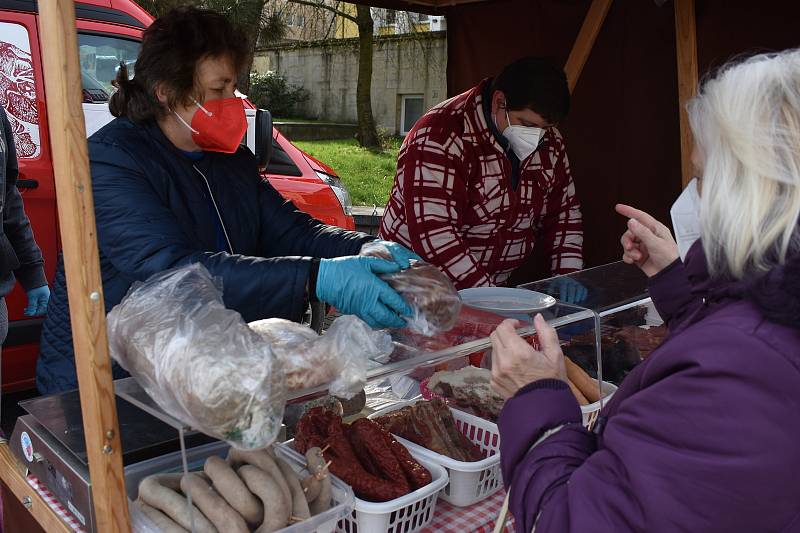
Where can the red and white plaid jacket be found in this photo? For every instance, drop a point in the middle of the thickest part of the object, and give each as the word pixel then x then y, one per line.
pixel 454 204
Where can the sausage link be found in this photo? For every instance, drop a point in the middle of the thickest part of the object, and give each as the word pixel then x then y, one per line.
pixel 311 487
pixel 299 502
pixel 160 491
pixel 211 504
pixel 311 484
pixel 263 460
pixel 277 509
pixel 234 491
pixel 373 438
pixel 164 523
pixel 323 502
pixel 417 475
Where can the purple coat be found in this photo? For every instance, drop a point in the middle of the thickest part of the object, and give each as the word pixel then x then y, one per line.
pixel 702 436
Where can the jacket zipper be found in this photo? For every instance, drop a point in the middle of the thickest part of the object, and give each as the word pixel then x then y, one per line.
pixel 216 208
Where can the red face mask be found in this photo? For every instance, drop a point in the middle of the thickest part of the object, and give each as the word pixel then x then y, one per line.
pixel 219 125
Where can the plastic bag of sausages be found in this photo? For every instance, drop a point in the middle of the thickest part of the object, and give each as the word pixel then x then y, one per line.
pixel 197 360
pixel 340 357
pixel 431 295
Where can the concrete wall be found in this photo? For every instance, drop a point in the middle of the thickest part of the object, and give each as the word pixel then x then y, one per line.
pixel 413 64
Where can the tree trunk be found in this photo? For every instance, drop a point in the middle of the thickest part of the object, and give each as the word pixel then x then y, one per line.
pixel 243 80
pixel 367 133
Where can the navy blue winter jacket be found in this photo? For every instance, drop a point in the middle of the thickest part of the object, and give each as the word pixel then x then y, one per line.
pixel 152 211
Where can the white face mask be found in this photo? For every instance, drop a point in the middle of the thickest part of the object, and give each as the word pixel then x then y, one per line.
pixel 524 139
pixel 685 213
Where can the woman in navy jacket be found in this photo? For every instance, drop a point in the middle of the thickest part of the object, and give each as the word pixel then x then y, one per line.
pixel 173 186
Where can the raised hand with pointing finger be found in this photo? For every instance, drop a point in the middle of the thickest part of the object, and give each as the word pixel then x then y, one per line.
pixel 647 243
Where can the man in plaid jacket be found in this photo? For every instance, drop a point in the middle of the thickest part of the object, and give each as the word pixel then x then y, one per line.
pixel 484 176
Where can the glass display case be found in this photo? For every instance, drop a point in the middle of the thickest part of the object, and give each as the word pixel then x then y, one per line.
pixel 606 334
pixel 629 325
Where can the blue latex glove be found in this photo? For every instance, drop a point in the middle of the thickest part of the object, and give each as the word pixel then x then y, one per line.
pixel 400 253
pixel 37 301
pixel 352 286
pixel 569 290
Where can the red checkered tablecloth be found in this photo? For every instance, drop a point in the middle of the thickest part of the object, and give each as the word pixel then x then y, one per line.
pixel 54 504
pixel 478 518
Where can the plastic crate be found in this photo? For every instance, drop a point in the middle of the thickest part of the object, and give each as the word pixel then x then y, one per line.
pixel 407 514
pixel 470 481
pixel 592 411
pixel 342 505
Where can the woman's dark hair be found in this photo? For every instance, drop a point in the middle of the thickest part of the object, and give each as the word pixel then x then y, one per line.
pixel 535 83
pixel 171 49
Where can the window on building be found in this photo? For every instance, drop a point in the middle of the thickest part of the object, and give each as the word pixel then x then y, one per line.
pixel 290 19
pixel 391 17
pixel 411 108
pixel 301 20
pixel 422 18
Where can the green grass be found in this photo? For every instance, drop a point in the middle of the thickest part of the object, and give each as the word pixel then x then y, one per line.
pixel 367 175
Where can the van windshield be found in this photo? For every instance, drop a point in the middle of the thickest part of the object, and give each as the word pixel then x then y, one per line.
pixel 100 57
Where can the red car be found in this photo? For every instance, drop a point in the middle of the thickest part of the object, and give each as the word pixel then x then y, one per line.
pixel 109 31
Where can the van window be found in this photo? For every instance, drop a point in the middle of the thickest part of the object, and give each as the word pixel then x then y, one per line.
pixel 100 57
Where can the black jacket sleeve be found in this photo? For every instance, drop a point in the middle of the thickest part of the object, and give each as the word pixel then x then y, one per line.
pixel 16 226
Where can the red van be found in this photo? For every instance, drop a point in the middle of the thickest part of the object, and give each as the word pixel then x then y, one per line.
pixel 109 31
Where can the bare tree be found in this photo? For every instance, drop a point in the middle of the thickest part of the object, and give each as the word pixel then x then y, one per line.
pixel 367 131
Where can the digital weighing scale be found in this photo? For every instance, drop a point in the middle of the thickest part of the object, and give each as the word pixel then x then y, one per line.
pixel 49 442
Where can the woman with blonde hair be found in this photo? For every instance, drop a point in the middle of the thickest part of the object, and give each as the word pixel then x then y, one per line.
pixel 703 436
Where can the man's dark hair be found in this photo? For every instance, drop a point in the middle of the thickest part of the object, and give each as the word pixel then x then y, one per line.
pixel 537 84
pixel 171 49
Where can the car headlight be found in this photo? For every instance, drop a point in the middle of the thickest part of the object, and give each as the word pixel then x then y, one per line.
pixel 339 190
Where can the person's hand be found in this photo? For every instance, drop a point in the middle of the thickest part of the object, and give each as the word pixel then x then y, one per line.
pixel 352 286
pixel 400 254
pixel 647 243
pixel 515 363
pixel 37 301
pixel 569 290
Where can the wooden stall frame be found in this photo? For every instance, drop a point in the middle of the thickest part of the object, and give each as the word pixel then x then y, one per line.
pixel 585 41
pixel 686 47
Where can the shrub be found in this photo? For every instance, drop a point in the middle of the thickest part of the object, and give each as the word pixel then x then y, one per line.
pixel 271 91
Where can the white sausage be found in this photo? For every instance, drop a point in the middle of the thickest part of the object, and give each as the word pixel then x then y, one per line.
pixel 276 508
pixel 212 505
pixel 231 487
pixel 160 491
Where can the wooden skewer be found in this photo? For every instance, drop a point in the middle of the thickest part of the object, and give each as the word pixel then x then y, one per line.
pixel 323 472
pixel 323 450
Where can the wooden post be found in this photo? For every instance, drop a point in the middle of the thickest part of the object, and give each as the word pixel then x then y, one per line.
pixel 686 45
pixel 82 262
pixel 585 40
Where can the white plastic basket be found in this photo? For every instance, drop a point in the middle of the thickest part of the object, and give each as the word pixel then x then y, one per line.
pixel 592 411
pixel 470 482
pixel 342 504
pixel 407 514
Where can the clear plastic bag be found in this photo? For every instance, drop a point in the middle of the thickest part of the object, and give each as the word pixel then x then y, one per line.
pixel 198 360
pixel 340 356
pixel 433 298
